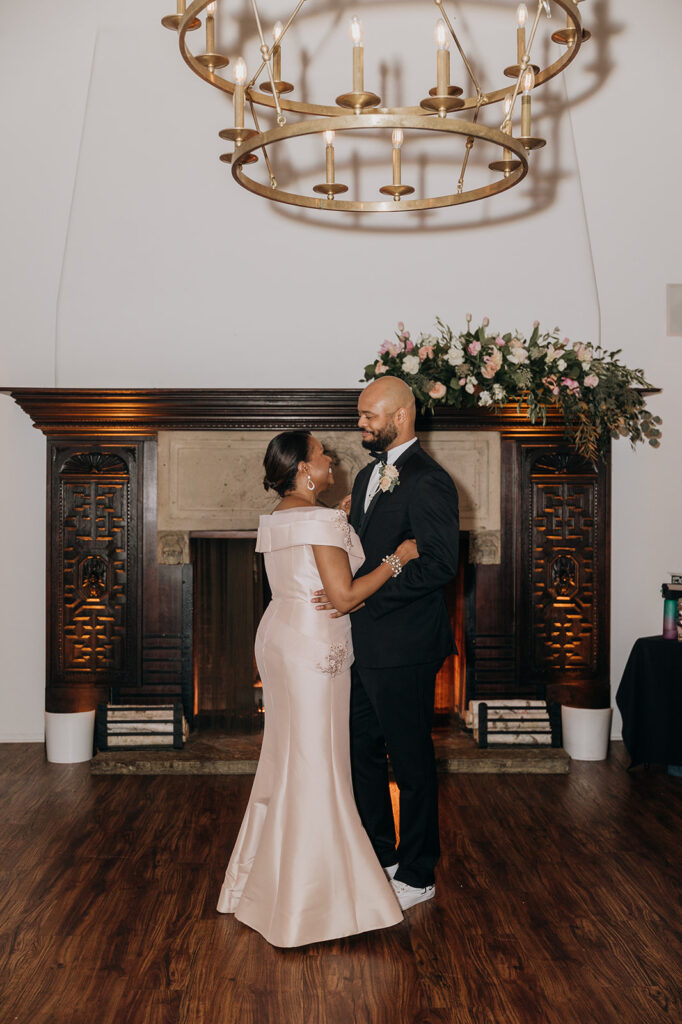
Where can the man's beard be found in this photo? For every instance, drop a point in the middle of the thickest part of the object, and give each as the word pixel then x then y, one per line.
pixel 382 440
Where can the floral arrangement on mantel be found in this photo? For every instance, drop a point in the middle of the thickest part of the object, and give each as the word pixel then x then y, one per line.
pixel 598 396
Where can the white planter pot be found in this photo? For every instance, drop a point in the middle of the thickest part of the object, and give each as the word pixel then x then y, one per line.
pixel 586 732
pixel 69 736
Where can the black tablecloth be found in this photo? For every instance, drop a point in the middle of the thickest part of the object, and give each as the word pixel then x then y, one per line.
pixel 650 700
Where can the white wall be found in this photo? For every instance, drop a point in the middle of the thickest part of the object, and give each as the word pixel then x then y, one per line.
pixel 134 260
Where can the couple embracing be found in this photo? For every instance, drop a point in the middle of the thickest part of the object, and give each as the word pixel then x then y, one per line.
pixel 356 631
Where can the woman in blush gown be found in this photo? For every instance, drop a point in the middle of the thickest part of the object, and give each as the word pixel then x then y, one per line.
pixel 303 869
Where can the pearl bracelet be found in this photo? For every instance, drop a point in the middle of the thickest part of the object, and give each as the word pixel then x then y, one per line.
pixel 394 564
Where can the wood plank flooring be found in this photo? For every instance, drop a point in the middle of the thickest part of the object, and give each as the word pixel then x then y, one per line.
pixel 557 903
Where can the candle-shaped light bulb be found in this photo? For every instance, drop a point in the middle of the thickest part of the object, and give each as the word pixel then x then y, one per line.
pixel 442 60
pixel 442 38
pixel 239 72
pixel 527 83
pixel 358 70
pixel 277 30
pixel 329 137
pixel 397 138
pixel 521 19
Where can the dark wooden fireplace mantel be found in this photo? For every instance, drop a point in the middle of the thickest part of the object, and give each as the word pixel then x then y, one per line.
pixel 120 621
pixel 146 411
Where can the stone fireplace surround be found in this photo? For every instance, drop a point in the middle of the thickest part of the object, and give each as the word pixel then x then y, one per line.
pixel 131 473
pixel 212 481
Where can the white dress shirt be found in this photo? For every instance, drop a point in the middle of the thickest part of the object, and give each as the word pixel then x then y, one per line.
pixel 373 483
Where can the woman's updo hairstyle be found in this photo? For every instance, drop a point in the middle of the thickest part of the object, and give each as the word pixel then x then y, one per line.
pixel 282 457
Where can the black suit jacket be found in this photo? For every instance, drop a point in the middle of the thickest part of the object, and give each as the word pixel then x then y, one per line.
pixel 406 621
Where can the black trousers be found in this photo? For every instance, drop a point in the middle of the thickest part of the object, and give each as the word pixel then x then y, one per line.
pixel 391 712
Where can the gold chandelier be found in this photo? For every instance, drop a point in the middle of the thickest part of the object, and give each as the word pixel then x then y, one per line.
pixel 360 111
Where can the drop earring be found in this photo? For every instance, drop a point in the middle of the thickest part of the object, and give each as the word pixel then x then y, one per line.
pixel 310 485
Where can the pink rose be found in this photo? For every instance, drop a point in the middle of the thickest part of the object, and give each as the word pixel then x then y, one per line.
pixel 401 326
pixel 571 384
pixel 591 380
pixel 536 323
pixel 474 348
pixel 462 381
pixel 485 321
pixel 500 341
pixel 493 362
pixel 380 368
pixel 426 352
pixel 437 390
pixel 409 345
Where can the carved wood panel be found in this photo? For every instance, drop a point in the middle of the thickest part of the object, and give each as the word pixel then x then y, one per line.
pixel 562 546
pixel 93 615
pixel 564 566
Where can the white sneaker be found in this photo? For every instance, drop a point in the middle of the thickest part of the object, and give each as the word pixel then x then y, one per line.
pixel 409 896
pixel 391 870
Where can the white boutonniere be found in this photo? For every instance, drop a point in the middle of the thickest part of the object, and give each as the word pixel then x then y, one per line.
pixel 389 478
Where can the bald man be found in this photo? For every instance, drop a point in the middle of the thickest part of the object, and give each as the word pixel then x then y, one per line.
pixel 401 636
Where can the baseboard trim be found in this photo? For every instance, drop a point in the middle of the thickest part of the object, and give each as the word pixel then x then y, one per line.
pixel 22 737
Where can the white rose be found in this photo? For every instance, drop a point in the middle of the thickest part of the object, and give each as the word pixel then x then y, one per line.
pixel 484 398
pixel 455 355
pixel 561 365
pixel 470 385
pixel 517 355
pixel 586 365
pixel 410 364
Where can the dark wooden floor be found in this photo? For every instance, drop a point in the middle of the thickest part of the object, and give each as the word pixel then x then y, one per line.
pixel 557 902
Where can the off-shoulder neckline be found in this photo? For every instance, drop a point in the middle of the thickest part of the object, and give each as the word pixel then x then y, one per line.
pixel 302 508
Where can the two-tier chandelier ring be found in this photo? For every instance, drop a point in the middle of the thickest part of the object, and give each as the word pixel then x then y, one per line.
pixel 441 114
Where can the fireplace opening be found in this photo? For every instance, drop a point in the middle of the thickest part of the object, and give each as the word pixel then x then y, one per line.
pixel 231 592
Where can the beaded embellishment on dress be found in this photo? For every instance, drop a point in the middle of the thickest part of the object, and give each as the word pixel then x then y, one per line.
pixel 335 660
pixel 341 522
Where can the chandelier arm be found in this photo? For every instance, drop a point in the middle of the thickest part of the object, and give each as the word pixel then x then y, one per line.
pixel 316 110
pixel 469 147
pixel 444 13
pixel 372 121
pixel 266 157
pixel 282 34
pixel 265 49
pixel 465 161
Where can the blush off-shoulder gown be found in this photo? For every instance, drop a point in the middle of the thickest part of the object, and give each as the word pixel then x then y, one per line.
pixel 303 869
